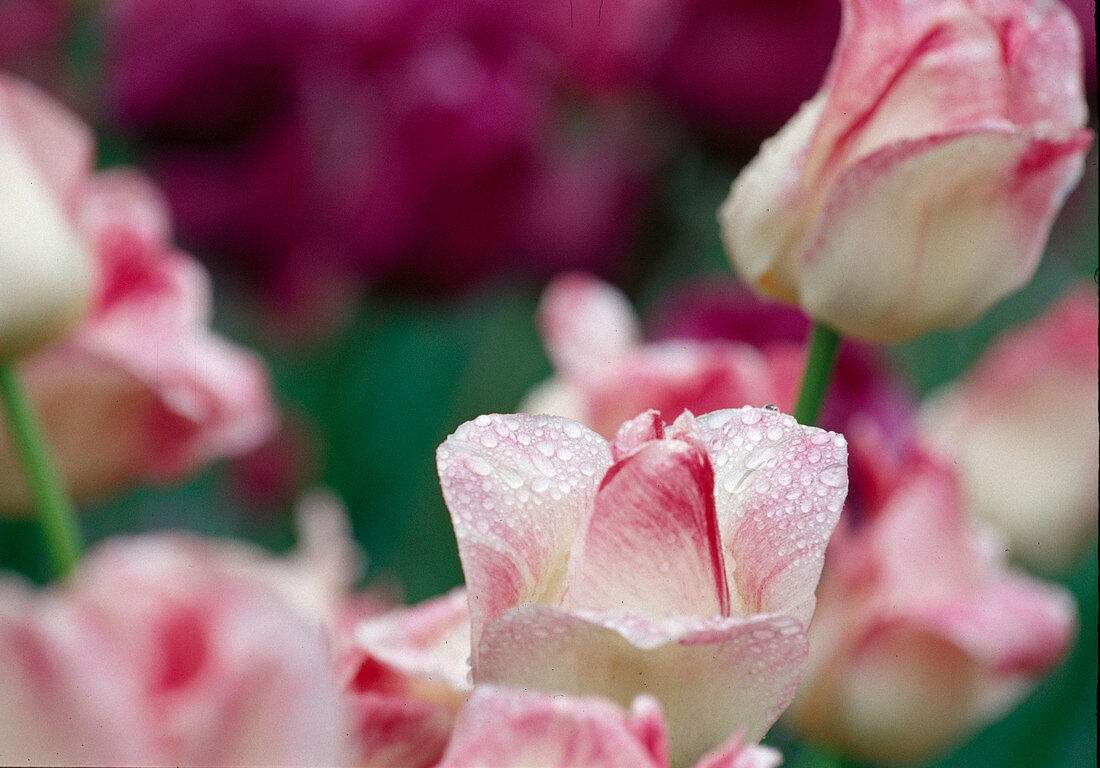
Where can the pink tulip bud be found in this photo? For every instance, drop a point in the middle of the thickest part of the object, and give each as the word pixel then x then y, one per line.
pixel 142 389
pixel 167 650
pixel 46 271
pixel 507 728
pixel 919 185
pixel 1022 428
pixel 921 635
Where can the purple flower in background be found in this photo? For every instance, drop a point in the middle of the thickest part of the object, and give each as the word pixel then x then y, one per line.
pixel 735 70
pixel 420 143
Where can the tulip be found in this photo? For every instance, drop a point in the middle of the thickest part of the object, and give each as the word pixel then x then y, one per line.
pixel 45 269
pixel 718 347
pixel 143 389
pixel 165 650
pixel 406 677
pixel 511 729
pixel 605 373
pixel 922 635
pixel 679 562
pixel 919 185
pixel 1021 426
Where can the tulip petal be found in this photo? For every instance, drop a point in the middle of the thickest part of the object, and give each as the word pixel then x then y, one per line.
pixel 60 146
pixel 587 326
pixel 973 208
pixel 517 488
pixel 779 487
pixel 651 543
pixel 507 728
pixel 736 753
pixel 710 674
pixel 430 641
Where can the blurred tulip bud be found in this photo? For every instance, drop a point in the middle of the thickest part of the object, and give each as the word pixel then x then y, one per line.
pixel 922 635
pixel 45 270
pixel 1022 429
pixel 167 650
pixel 919 185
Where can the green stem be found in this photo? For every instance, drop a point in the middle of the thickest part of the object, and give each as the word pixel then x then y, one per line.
pixel 824 345
pixel 56 514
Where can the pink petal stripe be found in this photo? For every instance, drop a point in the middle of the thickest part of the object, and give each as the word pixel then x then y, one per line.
pixel 651 543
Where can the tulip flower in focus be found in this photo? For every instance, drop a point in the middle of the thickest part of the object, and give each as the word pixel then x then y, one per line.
pixel 507 728
pixel 407 674
pixel 919 186
pixel 921 635
pixel 718 346
pixel 143 389
pixel 675 561
pixel 166 650
pixel 46 272
pixel 1021 427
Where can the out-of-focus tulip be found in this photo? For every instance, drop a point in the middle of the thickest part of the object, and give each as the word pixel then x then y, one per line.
pixel 45 270
pixel 918 187
pixel 1022 429
pixel 921 634
pixel 164 650
pixel 416 144
pixel 718 346
pixel 609 569
pixel 507 728
pixel 605 374
pixel 407 675
pixel 144 390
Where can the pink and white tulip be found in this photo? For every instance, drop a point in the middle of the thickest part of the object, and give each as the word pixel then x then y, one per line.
pixel 143 390
pixel 919 185
pixel 46 272
pixel 407 674
pixel 605 373
pixel 922 635
pixel 165 650
pixel 1022 428
pixel 718 347
pixel 679 562
pixel 506 728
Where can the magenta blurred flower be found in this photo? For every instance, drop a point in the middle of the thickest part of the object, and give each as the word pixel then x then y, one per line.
pixel 166 650
pixel 407 674
pixel 143 389
pixel 717 347
pixel 919 186
pixel 736 71
pixel 1021 426
pixel 415 143
pixel 609 568
pixel 506 728
pixel 921 635
pixel 32 33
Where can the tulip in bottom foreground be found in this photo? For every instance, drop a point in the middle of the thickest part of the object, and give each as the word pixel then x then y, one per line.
pixel 676 561
pixel 506 728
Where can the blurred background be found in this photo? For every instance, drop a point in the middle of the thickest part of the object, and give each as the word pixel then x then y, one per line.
pixel 381 189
